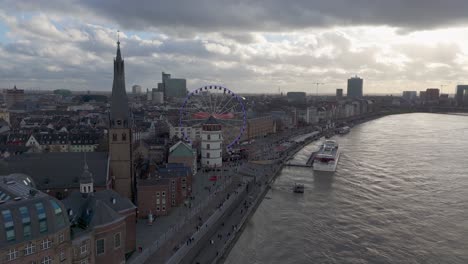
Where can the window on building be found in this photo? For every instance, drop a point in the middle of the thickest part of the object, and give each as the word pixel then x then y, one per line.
pixel 29 249
pixel 157 194
pixel 119 122
pixel 59 218
pixel 42 217
pixel 99 246
pixel 207 146
pixel 208 136
pixel 173 202
pixel 184 179
pixel 163 194
pixel 117 240
pixel 26 220
pixel 164 208
pixel 84 248
pixel 61 237
pixel 163 201
pixel 124 137
pixel 46 260
pixel 157 201
pixel 46 243
pixel 157 208
pixel 12 254
pixel 114 137
pixel 9 225
pixel 208 155
pixel 62 255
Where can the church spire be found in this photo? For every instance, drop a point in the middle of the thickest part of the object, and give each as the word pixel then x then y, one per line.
pixel 86 179
pixel 119 55
pixel 120 112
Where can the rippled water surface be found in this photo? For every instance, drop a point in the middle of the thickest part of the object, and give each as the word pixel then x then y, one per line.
pixel 400 195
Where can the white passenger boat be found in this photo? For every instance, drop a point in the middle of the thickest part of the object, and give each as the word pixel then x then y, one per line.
pixel 327 157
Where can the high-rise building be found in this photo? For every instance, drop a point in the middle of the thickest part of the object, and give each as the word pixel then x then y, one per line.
pixel 355 85
pixel 173 87
pixel 120 133
pixel 157 96
pixel 296 96
pixel 136 89
pixel 410 95
pixel 432 94
pixel 422 95
pixel 462 92
pixel 339 93
pixel 13 96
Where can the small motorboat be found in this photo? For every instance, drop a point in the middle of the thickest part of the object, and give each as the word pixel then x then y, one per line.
pixel 298 188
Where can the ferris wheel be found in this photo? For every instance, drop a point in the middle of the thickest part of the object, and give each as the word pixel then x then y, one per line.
pixel 220 103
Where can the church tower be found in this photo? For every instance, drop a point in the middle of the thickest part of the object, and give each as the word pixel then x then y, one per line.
pixel 86 180
pixel 120 133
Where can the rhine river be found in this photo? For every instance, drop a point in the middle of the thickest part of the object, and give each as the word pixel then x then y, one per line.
pixel 399 195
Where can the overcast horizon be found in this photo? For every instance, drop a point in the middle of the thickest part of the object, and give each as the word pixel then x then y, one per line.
pixel 244 45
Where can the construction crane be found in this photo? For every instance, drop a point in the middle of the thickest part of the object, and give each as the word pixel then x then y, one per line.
pixel 317 86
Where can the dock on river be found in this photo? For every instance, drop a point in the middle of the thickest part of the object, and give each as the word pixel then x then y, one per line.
pixel 308 164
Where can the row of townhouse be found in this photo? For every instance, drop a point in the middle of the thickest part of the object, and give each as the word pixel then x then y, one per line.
pixel 61 142
pixel 335 110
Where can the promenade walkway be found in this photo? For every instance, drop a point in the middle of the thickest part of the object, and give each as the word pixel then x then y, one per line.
pixel 170 231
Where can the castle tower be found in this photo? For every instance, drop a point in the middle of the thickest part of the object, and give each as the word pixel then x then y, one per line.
pixel 120 133
pixel 211 144
pixel 86 180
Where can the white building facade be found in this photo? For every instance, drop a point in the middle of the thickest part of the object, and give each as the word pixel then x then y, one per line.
pixel 211 144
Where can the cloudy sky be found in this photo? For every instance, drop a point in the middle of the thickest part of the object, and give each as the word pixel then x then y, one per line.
pixel 246 45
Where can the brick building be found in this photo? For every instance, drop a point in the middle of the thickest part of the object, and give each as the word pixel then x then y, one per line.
pixel 102 224
pixel 260 126
pixel 168 187
pixel 13 96
pixel 154 197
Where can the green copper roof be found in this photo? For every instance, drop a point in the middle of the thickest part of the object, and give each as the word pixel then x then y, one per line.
pixel 181 150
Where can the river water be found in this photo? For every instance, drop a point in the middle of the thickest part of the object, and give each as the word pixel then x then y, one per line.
pixel 399 195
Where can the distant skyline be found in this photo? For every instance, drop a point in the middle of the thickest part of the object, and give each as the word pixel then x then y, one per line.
pixel 244 45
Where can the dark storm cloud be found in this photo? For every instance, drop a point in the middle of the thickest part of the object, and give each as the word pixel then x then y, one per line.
pixel 266 15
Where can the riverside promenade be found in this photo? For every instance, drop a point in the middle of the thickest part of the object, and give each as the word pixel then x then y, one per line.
pixel 260 174
pixel 177 238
